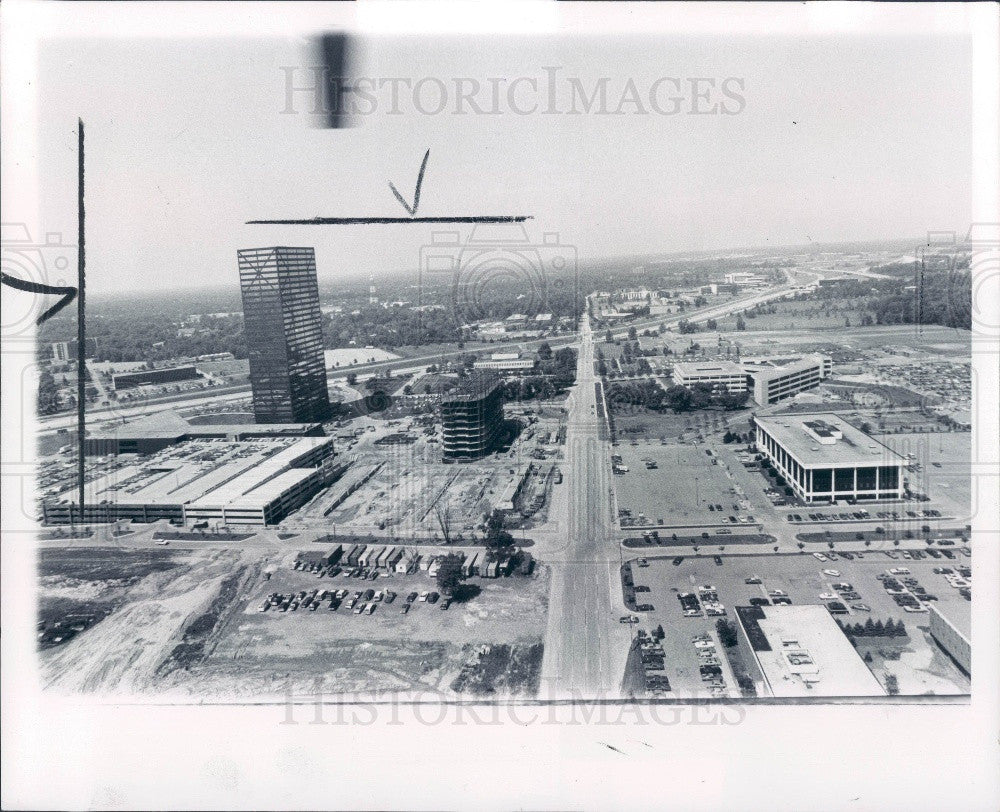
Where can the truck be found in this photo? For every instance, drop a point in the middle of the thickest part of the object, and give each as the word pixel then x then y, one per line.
pixel 394 557
pixel 471 565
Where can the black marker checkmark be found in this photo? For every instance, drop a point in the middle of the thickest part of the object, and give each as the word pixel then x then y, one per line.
pixel 416 194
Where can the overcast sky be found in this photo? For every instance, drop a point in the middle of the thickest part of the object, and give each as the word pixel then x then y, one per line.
pixel 826 140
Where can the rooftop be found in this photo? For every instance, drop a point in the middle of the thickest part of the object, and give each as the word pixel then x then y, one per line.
pixel 478 384
pixel 958 614
pixel 205 472
pixel 802 652
pixel 826 439
pixel 170 425
pixel 708 368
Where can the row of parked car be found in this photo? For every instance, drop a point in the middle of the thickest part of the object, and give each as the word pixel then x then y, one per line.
pixel 653 664
pixel 709 664
pixel 905 590
pixel 360 602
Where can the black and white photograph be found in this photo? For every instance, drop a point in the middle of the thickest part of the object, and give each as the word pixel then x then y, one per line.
pixel 509 405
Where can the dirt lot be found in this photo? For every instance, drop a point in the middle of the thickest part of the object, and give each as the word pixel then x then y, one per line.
pixel 259 653
pixel 185 623
pixel 154 595
pixel 921 669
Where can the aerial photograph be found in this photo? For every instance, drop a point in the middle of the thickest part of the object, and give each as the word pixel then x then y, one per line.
pixel 647 377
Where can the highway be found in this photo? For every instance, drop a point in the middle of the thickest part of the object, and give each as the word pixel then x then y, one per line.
pixel 209 397
pixel 585 645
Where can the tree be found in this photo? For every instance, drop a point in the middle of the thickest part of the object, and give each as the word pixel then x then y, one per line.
pixel 352 378
pixel 443 515
pixel 544 351
pixel 727 632
pixel 449 574
pixel 499 543
pixel 740 324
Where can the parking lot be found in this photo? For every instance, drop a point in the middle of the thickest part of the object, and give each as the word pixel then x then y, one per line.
pixel 696 487
pixel 495 609
pixel 799 579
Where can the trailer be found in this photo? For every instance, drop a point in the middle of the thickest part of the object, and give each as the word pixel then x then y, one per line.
pixel 335 554
pixel 435 565
pixel 492 569
pixel 367 558
pixel 383 557
pixel 393 558
pixel 470 566
pixel 354 553
pixel 404 563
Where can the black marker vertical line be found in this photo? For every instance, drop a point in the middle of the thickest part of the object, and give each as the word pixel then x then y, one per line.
pixel 81 327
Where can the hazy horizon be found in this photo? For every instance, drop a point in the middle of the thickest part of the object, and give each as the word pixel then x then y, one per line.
pixel 836 141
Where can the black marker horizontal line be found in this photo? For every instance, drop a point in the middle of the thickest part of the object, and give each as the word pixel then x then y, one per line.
pixel 359 221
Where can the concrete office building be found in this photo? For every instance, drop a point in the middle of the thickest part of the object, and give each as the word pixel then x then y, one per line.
pixel 284 336
pixel 823 458
pixel 952 632
pixel 726 374
pixel 472 418
pixel 772 384
pixel 797 651
pixel 511 362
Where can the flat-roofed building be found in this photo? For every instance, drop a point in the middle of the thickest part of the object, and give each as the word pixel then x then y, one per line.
pixel 952 631
pixel 254 482
pixel 718 374
pixel 506 362
pixel 800 651
pixel 153 377
pixel 823 458
pixel 155 432
pixel 472 417
pixel 772 384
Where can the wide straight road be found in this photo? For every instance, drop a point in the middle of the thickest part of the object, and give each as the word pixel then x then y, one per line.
pixel 586 647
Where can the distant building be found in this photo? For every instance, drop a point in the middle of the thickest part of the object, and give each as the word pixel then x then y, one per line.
pixel 744 278
pixel 952 633
pixel 63 351
pixel 823 458
pixel 718 374
pixel 796 651
pixel 772 384
pixel 472 418
pixel 151 434
pixel 151 377
pixel 284 336
pixel 506 362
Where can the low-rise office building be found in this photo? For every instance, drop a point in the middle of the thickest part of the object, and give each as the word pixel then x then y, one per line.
pixel 772 384
pixel 511 362
pixel 952 632
pixel 800 651
pixel 718 374
pixel 151 434
pixel 823 458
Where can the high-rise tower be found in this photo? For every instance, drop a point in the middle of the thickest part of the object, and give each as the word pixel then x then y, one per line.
pixel 283 331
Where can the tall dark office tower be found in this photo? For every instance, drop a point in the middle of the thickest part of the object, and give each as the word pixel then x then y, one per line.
pixel 281 322
pixel 472 418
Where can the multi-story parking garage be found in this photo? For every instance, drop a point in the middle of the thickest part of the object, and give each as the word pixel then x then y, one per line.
pixel 823 458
